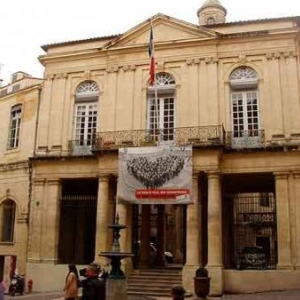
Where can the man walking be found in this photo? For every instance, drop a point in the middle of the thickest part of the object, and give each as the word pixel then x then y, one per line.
pixel 93 287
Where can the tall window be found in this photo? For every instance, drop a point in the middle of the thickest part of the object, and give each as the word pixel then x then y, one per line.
pixel 7 220
pixel 14 128
pixel 86 111
pixel 244 107
pixel 161 108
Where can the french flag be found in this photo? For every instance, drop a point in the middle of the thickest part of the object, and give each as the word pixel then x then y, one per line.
pixel 151 55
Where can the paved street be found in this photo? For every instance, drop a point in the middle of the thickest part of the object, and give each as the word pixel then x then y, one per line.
pixel 285 295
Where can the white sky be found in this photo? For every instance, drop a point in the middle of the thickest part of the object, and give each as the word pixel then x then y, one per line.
pixel 26 25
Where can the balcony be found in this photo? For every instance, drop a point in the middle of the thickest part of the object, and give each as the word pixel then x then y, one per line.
pixel 247 139
pixel 201 136
pixel 80 147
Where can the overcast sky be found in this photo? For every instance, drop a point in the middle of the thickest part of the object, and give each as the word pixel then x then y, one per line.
pixel 26 25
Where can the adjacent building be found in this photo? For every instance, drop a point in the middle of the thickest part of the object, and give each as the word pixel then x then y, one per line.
pixel 19 101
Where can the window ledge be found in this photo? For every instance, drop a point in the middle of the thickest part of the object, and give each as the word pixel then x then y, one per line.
pixel 7 243
pixel 12 150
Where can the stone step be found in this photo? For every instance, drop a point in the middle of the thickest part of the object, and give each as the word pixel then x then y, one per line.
pixel 153 282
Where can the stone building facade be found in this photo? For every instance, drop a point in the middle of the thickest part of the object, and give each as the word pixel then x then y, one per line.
pixel 231 91
pixel 19 102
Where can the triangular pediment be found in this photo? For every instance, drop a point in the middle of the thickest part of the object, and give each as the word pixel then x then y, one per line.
pixel 165 29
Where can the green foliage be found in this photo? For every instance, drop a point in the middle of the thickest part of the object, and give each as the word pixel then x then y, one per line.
pixel 201 272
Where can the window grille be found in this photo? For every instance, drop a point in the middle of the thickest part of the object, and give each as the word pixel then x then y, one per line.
pixel 254 230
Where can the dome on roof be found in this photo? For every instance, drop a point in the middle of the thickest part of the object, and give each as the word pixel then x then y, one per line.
pixel 211 2
pixel 211 12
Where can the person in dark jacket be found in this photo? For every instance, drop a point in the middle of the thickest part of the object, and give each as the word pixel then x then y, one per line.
pixel 2 289
pixel 93 287
pixel 178 292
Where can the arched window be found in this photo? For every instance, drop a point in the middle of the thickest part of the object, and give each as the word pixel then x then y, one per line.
pixel 14 128
pixel 245 107
pixel 161 108
pixel 211 21
pixel 7 220
pixel 86 111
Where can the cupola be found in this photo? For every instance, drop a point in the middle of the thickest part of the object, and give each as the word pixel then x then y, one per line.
pixel 211 12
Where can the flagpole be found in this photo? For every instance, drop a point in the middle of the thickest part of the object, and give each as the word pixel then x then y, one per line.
pixel 156 116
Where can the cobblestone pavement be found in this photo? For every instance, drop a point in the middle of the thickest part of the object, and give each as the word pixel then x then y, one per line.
pixel 284 295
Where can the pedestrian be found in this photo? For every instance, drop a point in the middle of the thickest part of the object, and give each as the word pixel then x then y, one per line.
pixel 2 289
pixel 71 284
pixel 178 292
pixel 93 287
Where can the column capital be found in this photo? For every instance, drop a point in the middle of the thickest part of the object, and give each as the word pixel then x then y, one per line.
pixel 281 175
pixel 103 177
pixel 196 174
pixel 214 174
pixel 39 181
pixel 53 181
pixel 296 174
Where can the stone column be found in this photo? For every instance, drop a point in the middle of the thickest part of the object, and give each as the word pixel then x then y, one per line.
pixel 214 236
pixel 192 238
pixel 296 180
pixel 35 221
pixel 102 241
pixel 145 237
pixel 178 234
pixel 283 221
pixel 160 235
pixel 50 230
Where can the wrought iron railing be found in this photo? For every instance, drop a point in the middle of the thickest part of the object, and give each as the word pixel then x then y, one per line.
pixel 245 139
pixel 198 136
pixel 254 230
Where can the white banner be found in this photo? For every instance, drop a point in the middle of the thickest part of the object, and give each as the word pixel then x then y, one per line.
pixel 155 175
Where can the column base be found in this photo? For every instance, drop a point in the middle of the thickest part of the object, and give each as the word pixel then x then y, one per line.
pixel 116 289
pixel 216 281
pixel 285 267
pixel 188 274
pixel 127 266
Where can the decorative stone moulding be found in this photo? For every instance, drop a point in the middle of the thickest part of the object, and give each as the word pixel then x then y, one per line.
pixel 61 76
pixel 128 68
pixel 50 77
pixel 112 69
pixel 87 74
pixel 278 54
pixel 211 60
pixel 207 60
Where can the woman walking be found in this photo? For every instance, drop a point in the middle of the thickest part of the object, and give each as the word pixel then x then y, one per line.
pixel 71 285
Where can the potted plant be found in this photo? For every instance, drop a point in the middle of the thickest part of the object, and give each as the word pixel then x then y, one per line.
pixel 201 283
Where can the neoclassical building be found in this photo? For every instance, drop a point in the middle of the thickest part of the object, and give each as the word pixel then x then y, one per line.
pixel 228 94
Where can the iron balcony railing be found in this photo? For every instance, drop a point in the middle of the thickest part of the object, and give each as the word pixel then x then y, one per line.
pixel 198 136
pixel 246 139
pixel 81 147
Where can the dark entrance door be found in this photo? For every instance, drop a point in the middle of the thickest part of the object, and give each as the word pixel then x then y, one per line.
pixel 163 235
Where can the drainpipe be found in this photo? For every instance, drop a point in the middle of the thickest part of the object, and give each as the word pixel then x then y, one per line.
pixel 30 164
pixel 37 119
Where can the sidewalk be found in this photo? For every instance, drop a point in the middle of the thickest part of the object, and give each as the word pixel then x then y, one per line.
pixel 283 295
